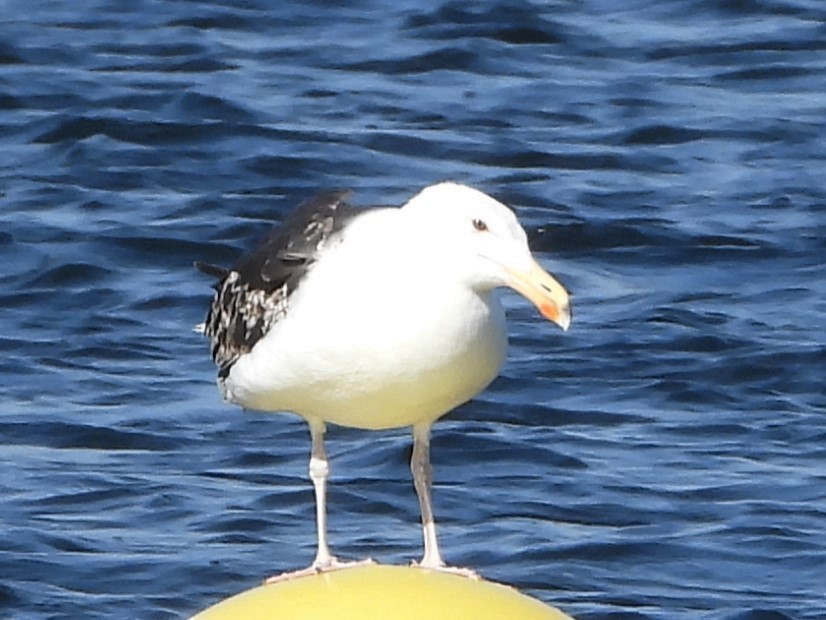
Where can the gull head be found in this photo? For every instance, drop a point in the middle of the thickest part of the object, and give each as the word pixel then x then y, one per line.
pixel 479 240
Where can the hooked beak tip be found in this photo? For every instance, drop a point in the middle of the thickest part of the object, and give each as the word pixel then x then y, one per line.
pixel 560 315
pixel 549 296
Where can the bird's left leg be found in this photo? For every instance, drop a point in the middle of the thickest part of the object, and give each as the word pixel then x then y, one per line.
pixel 422 472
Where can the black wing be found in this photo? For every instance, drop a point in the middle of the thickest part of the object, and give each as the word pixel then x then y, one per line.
pixel 255 294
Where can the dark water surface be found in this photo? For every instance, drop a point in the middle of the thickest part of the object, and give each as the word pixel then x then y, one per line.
pixel 664 459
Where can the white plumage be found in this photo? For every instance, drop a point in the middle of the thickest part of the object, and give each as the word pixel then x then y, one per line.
pixel 389 319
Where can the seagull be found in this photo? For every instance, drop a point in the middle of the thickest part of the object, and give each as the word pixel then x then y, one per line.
pixel 375 318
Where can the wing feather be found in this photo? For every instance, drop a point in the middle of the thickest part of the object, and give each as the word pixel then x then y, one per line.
pixel 255 294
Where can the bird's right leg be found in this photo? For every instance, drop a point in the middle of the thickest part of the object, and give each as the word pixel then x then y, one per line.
pixel 319 472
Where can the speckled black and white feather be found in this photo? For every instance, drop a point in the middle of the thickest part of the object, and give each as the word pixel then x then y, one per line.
pixel 255 294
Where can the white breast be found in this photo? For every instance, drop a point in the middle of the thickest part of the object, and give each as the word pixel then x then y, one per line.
pixel 375 339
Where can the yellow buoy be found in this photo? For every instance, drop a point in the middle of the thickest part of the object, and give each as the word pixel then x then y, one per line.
pixel 382 593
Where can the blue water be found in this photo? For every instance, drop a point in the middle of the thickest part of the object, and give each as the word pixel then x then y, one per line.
pixel 664 459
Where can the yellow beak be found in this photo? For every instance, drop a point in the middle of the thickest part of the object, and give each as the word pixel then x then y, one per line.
pixel 544 291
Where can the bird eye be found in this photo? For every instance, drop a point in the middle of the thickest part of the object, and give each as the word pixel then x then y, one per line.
pixel 480 225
